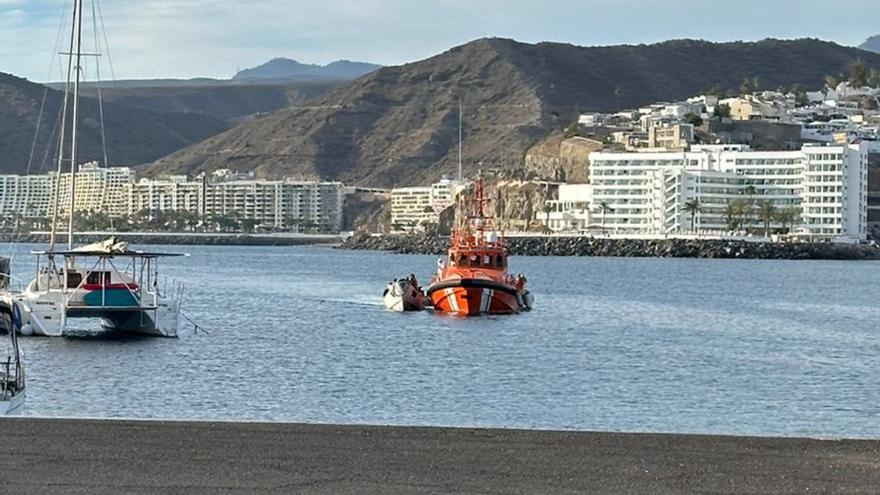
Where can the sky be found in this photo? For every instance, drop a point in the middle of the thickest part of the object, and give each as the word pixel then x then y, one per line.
pixel 215 38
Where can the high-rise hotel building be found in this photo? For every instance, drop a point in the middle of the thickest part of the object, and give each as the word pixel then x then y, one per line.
pixel 414 207
pixel 281 204
pixel 97 189
pixel 647 193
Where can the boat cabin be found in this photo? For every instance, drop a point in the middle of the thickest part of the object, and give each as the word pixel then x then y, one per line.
pixel 494 259
pixel 100 280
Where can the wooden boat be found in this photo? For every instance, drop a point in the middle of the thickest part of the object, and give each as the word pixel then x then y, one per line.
pixel 473 279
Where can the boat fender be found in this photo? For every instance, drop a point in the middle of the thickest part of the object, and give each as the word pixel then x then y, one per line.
pixel 27 330
pixel 528 299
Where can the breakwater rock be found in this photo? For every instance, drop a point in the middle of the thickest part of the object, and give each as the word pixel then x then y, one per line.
pixel 630 248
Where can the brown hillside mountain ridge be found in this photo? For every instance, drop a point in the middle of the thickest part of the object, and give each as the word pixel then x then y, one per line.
pixel 229 102
pixel 399 125
pixel 134 135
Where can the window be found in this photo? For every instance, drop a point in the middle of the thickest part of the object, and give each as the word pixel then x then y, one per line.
pixel 95 278
pixel 73 280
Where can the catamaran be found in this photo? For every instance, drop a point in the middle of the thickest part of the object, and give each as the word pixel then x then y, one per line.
pixel 106 280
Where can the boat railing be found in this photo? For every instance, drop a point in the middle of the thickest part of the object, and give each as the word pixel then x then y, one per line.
pixel 169 289
pixel 12 376
pixel 7 281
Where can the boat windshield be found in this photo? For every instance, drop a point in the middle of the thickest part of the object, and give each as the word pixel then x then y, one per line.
pixel 477 260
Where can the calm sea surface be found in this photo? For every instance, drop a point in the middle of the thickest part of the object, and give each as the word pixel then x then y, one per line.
pixel 299 334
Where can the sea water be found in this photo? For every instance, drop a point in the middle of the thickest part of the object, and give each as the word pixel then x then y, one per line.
pixel 662 345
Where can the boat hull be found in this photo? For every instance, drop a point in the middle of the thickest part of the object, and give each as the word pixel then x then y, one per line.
pixel 41 314
pixel 401 296
pixel 12 405
pixel 468 297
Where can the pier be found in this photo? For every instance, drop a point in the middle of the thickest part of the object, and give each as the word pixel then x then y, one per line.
pixel 109 456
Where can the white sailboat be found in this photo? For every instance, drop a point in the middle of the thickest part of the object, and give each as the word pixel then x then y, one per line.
pixel 106 280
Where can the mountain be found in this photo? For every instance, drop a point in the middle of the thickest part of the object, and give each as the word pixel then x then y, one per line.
pixel 285 69
pixel 225 100
pixel 399 125
pixel 872 44
pixel 134 135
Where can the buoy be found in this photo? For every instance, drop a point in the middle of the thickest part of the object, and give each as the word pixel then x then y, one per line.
pixel 27 330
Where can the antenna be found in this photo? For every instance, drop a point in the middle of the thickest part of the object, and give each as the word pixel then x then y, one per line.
pixel 460 142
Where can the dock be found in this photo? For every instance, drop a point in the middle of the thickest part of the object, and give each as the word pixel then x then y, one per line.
pixel 177 457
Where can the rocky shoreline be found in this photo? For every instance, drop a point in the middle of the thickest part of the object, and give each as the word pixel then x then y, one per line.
pixel 628 248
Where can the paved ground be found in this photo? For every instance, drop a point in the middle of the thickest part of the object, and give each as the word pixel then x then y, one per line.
pixel 65 456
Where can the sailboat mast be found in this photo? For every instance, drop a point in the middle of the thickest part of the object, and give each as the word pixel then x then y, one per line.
pixel 56 193
pixel 75 124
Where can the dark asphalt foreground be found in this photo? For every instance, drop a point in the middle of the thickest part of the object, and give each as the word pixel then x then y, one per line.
pixel 68 456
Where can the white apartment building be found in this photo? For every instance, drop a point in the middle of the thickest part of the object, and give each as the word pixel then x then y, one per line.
pixel 412 207
pixel 647 193
pixel 570 211
pixel 278 204
pixel 97 189
pixel 173 193
pixel 275 204
pixel 27 196
pixel 281 204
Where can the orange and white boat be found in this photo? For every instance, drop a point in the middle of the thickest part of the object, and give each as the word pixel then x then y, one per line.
pixel 473 279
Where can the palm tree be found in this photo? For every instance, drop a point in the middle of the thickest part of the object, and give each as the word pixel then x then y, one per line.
pixel 736 212
pixel 787 216
pixel 547 209
pixel 605 209
pixel 693 207
pixel 749 206
pixel 767 212
pixel 730 215
pixel 831 82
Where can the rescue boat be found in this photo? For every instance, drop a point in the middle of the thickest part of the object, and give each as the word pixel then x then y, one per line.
pixel 473 279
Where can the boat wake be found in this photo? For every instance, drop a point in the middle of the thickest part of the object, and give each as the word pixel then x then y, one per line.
pixel 351 302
